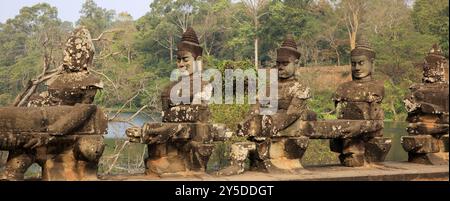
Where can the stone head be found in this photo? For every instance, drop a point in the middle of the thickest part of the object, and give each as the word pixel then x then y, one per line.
pixel 287 58
pixel 362 58
pixel 79 51
pixel 433 68
pixel 189 51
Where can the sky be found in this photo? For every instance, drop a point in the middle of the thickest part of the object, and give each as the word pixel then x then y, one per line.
pixel 68 10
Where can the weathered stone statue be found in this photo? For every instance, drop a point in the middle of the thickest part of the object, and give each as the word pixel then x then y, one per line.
pixel 182 142
pixel 60 129
pixel 273 149
pixel 357 132
pixel 427 107
pixel 359 141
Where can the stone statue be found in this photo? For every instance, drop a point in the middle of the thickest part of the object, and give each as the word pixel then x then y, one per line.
pixel 274 150
pixel 360 99
pixel 182 142
pixel 68 142
pixel 427 107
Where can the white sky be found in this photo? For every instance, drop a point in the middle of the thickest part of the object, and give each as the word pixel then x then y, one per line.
pixel 68 10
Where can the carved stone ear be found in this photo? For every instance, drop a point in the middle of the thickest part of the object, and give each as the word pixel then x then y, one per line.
pixel 297 62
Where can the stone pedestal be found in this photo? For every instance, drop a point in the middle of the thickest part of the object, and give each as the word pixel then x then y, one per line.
pixel 70 140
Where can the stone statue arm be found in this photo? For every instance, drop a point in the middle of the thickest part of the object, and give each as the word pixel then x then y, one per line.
pixel 20 141
pixel 298 109
pixel 69 122
pixel 152 133
pixel 342 128
pixel 251 125
pixel 88 97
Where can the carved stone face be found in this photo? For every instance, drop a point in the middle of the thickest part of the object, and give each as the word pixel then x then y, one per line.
pixel 286 67
pixel 185 61
pixel 361 67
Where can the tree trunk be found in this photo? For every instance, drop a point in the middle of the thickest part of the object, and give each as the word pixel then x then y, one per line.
pixel 394 118
pixel 256 40
pixel 338 57
pixel 354 31
pixel 171 49
pixel 129 56
pixel 256 53
pixel 353 40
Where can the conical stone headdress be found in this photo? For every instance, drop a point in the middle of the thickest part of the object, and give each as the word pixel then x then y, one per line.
pixel 189 42
pixel 363 48
pixel 433 68
pixel 288 48
pixel 79 51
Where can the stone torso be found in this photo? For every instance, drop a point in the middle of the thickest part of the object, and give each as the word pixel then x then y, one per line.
pixel 428 98
pixel 292 99
pixel 288 90
pixel 68 89
pixel 359 100
pixel 184 112
pixel 428 106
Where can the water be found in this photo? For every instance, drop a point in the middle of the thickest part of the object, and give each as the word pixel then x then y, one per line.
pixel 394 130
pixel 116 128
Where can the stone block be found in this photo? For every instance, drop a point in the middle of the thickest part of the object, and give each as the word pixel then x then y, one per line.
pixel 377 148
pixel 420 144
pixel 427 128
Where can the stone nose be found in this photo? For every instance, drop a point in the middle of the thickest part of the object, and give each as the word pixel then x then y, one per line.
pixel 181 64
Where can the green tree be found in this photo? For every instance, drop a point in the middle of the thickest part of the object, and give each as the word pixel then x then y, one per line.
pixel 432 17
pixel 390 29
pixel 95 18
pixel 28 40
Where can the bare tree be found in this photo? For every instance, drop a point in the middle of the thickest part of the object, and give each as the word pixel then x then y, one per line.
pixel 47 73
pixel 353 11
pixel 164 34
pixel 183 16
pixel 330 34
pixel 253 9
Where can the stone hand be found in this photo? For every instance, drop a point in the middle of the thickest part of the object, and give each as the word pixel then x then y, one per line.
pixel 352 130
pixel 134 134
pixel 33 143
pixel 250 127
